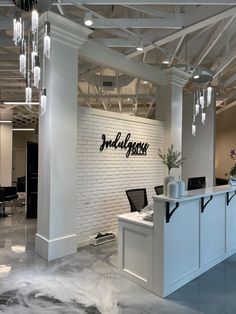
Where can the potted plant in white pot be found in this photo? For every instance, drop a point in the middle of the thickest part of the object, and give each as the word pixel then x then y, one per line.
pixel 172 159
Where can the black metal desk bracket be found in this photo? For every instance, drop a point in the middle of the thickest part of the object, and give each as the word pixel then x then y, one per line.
pixel 168 213
pixel 228 199
pixel 203 205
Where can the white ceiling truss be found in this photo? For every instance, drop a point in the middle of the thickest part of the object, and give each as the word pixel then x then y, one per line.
pixel 194 34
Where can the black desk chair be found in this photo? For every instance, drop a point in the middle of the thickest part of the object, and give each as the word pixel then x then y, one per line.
pixel 196 183
pixel 2 202
pixel 159 189
pixel 20 185
pixel 10 194
pixel 221 181
pixel 137 199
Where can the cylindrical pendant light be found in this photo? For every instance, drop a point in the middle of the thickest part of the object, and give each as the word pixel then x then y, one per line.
pixel 34 21
pixel 36 71
pixel 209 95
pixel 47 41
pixel 23 57
pixel 203 116
pixel 28 89
pixel 17 30
pixel 194 128
pixel 43 101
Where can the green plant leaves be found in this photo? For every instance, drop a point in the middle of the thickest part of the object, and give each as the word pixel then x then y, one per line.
pixel 172 159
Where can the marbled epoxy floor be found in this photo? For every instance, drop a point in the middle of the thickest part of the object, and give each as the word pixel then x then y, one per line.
pixel 88 282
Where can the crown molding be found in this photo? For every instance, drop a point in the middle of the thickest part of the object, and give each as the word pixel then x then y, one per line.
pixel 64 30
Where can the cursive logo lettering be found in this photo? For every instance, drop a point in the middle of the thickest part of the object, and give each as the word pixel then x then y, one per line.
pixel 133 148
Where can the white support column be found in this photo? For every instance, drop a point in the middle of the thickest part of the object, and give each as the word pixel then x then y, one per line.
pixel 6 149
pixel 169 108
pixel 58 141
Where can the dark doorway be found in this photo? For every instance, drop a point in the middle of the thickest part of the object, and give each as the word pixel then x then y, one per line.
pixel 32 180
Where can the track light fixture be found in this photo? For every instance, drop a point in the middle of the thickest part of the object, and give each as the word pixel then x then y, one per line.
pixel 139 46
pixel 196 74
pixel 88 19
pixel 166 60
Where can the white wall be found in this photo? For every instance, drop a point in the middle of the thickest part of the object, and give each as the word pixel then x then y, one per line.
pixel 5 154
pixel 200 149
pixel 103 177
pixel 20 139
pixel 225 141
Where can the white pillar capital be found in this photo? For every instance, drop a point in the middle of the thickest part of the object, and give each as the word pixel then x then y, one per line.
pixel 64 30
pixel 177 77
pixel 169 108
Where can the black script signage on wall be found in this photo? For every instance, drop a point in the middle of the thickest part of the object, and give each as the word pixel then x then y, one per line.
pixel 133 148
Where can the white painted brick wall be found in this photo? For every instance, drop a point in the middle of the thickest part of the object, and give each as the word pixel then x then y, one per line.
pixel 103 177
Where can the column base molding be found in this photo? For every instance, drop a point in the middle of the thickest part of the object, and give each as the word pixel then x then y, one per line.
pixel 56 248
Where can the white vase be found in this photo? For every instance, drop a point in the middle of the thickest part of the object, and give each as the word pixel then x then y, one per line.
pixel 166 181
pixel 173 189
pixel 181 187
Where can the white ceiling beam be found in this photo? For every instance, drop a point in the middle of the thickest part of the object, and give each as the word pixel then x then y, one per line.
pixel 172 23
pixel 223 25
pixel 117 42
pixel 140 96
pixel 177 49
pixel 230 80
pixel 186 30
pixel 225 63
pixel 226 107
pixel 150 107
pixel 116 32
pixel 103 56
pixel 9 3
pixel 147 10
pixel 154 2
pixel 60 9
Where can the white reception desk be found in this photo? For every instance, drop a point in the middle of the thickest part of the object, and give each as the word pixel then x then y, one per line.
pixel 188 236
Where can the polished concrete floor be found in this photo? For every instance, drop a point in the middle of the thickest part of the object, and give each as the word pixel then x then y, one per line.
pixel 88 282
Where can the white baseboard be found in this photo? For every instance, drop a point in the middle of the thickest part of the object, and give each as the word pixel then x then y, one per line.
pixel 55 248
